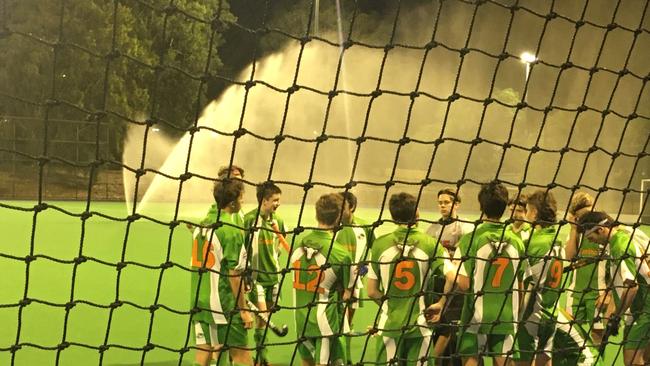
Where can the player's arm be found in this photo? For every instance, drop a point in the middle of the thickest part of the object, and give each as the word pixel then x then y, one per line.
pixel 237 286
pixel 235 258
pixel 571 245
pixel 373 289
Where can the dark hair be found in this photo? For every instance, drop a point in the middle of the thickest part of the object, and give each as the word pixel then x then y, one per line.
pixel 546 206
pixel 594 218
pixel 519 200
pixel 579 201
pixel 402 207
pixel 350 198
pixel 227 191
pixel 229 171
pixel 493 199
pixel 450 192
pixel 328 209
pixel 266 190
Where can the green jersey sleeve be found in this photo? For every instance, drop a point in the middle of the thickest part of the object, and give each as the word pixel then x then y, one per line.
pixel 234 254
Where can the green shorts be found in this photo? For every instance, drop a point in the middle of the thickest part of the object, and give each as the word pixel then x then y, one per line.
pixel 231 335
pixel 266 293
pixel 322 350
pixel 534 338
pixel 584 311
pixel 492 345
pixel 412 350
pixel 637 335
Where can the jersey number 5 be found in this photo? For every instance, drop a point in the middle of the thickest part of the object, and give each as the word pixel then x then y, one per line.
pixel 404 279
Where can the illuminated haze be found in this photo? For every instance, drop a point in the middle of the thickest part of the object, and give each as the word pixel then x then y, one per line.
pixel 392 115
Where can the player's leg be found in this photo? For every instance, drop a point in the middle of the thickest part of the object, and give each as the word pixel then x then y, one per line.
pixel 329 351
pixel 306 351
pixel 637 342
pixel 468 348
pixel 235 337
pixel 440 345
pixel 386 351
pixel 262 297
pixel 526 344
pixel 204 335
pixel 417 350
pixel 502 347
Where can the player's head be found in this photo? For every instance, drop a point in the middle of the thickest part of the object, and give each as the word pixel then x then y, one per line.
pixel 328 209
pixel 403 208
pixel 349 206
pixel 541 208
pixel 596 226
pixel 232 171
pixel 517 207
pixel 581 203
pixel 229 194
pixel 268 197
pixel 448 202
pixel 493 199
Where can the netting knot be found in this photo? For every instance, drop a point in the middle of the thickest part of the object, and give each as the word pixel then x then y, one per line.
pixel 133 217
pixel 51 102
pixel 521 105
pixel 616 154
pixel 426 181
pixel 566 65
pixel 453 97
pixel 360 140
pixel 14 348
pixel 166 265
pixel 623 72
pixel 430 45
pixel 103 348
pixel 298 229
pixel 185 176
pixel 551 185
pixel 278 139
pixel 564 150
pixel 85 215
pixel 42 160
pixel 389 184
pixel 332 93
pixel 463 51
pixel 349 185
pixel 293 88
pixel 594 70
pixel 611 26
pixel 535 149
pixel 552 15
pixel 579 23
pixel 488 101
pixel 376 93
pixel 120 265
pixel 80 259
pixel 388 47
pixel 322 138
pixel 603 189
pixel 632 116
pixel 115 304
pixel 304 40
pixel 548 109
pixel 30 258
pixel 96 116
pixel 239 133
pixel 377 224
pixel 63 345
pixel 514 8
pixel 148 347
pixel 249 84
pixel 438 141
pixel 642 154
pixel 404 140
pixel 112 55
pixel 592 149
pixel 414 95
pixel 507 145
pixel 69 305
pixel 24 302
pixel 307 186
pixel 348 43
pixel 153 308
pixel 170 9
pixel 477 141
pixel 195 310
pixel 41 207
pixel 503 56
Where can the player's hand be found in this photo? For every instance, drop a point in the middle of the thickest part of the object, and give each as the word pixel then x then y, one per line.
pixel 434 312
pixel 247 318
pixel 602 302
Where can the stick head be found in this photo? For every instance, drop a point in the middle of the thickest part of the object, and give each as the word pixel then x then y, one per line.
pixel 282 331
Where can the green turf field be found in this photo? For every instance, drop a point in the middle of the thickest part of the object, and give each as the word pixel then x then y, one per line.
pixel 53 280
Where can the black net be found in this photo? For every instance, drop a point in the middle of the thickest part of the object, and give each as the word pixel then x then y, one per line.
pixel 115 118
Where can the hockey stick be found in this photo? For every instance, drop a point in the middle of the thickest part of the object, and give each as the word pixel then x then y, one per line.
pixel 279 331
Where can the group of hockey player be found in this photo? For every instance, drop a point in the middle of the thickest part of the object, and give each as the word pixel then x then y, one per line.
pixel 456 293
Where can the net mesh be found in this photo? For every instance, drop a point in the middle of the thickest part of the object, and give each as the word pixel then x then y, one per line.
pixel 141 102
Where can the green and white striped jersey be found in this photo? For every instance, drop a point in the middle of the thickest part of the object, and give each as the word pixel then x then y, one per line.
pixel 491 258
pixel 586 280
pixel 219 251
pixel 629 251
pixel 321 269
pixel 263 245
pixel 545 257
pixel 572 344
pixel 402 262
